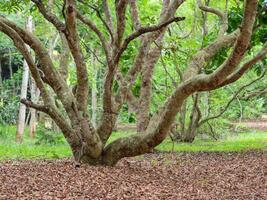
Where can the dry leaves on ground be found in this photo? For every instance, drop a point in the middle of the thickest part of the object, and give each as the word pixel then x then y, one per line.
pixel 153 176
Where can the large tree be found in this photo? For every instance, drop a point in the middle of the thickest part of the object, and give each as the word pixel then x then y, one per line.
pixel 89 144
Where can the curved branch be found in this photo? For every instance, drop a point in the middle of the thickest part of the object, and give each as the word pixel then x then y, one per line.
pixel 100 17
pixel 210 9
pixel 100 35
pixel 142 31
pixel 220 14
pixel 247 65
pixel 49 16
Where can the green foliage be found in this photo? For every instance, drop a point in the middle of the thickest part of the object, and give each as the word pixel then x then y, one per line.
pixel 11 6
pixel 9 99
pixel 45 136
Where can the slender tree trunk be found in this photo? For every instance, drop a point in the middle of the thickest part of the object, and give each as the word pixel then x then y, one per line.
pixel 35 93
pixel 94 93
pixel 22 107
pixel 11 70
pixel 1 73
pixel 23 94
pixel 10 64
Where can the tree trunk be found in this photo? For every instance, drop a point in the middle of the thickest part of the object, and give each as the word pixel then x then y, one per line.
pixel 94 92
pixel 1 73
pixel 22 107
pixel 23 94
pixel 188 135
pixel 35 93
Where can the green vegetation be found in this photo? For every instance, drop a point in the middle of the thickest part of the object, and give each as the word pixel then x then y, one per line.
pixel 239 142
pixel 33 149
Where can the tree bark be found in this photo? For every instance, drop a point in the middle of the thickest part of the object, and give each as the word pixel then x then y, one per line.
pixel 94 91
pixel 22 107
pixel 35 93
pixel 23 92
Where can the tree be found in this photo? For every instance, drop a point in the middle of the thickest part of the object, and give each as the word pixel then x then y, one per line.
pixel 23 91
pixel 89 144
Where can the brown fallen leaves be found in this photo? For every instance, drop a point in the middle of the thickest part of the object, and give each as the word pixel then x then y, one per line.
pixel 153 176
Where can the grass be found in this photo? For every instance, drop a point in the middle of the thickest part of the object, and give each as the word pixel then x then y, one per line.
pixel 253 140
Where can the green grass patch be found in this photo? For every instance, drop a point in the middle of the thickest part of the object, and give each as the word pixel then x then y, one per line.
pixel 31 149
pixel 232 143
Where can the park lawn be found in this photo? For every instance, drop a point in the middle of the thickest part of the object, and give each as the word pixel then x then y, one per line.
pixel 254 140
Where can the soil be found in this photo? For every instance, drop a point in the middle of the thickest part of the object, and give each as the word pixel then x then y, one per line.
pixel 152 176
pixel 256 124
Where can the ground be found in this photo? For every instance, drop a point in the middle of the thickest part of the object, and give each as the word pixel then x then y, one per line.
pixel 153 176
pixel 233 167
pixel 256 124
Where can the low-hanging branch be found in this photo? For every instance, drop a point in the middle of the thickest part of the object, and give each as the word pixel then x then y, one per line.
pixel 38 107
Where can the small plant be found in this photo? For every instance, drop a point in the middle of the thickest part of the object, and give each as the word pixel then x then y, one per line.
pixel 45 136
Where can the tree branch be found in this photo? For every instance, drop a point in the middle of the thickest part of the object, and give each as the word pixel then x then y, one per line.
pixel 247 65
pixel 220 14
pixel 100 35
pixel 74 45
pixel 120 17
pixel 49 16
pixel 142 31
pixel 100 17
pixel 108 17
pixel 38 107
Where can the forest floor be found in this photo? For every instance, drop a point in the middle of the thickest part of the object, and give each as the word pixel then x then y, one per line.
pixel 260 124
pixel 152 176
pixel 231 168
